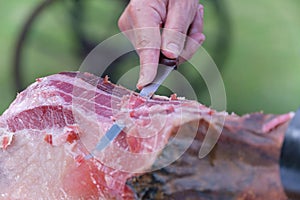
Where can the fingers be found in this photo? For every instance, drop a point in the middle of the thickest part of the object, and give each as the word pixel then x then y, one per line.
pixel 179 18
pixel 140 22
pixel 195 36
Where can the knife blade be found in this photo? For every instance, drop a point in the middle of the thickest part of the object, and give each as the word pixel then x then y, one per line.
pixel 290 158
pixel 165 67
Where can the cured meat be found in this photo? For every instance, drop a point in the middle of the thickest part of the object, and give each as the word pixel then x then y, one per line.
pixel 52 126
pixel 244 164
pixel 50 129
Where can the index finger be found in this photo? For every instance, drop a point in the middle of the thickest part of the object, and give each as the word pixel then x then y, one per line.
pixel 143 18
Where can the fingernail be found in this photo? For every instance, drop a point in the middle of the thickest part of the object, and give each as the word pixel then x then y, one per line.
pixel 173 48
pixel 142 82
pixel 147 74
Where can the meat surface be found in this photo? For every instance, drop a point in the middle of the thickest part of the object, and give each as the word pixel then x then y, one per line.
pixel 52 126
pixel 243 165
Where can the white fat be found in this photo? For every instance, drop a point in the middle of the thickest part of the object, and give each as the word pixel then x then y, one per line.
pixel 161 97
pixel 181 98
pixel 167 98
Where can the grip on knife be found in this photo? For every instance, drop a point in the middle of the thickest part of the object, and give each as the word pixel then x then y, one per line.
pixel 168 61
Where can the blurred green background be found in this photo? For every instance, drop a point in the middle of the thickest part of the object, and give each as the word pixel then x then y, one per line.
pixel 255 43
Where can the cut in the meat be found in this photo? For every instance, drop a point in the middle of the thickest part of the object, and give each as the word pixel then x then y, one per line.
pixel 47 132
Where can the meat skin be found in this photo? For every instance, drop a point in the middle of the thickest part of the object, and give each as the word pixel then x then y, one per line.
pixel 56 122
pixel 243 165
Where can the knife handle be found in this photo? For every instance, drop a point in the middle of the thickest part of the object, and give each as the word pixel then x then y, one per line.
pixel 168 61
pixel 290 159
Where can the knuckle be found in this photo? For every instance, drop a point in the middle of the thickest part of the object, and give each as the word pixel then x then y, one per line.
pixel 121 23
pixel 135 13
pixel 143 43
pixel 135 6
pixel 174 35
pixel 200 6
pixel 146 43
pixel 132 11
pixel 195 4
pixel 147 38
pixel 179 29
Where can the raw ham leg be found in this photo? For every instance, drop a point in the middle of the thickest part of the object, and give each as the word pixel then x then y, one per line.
pixel 52 126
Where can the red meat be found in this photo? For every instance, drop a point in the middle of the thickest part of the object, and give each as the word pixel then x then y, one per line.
pixel 52 126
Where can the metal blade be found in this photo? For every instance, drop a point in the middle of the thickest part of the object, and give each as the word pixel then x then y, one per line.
pixel 164 69
pixel 109 136
pixel 162 73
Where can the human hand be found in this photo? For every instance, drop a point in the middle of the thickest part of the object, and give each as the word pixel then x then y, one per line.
pixel 182 35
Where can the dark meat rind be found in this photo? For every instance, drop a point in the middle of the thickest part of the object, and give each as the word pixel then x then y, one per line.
pixel 243 165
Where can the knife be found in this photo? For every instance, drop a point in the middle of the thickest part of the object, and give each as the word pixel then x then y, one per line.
pixel 165 67
pixel 290 159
